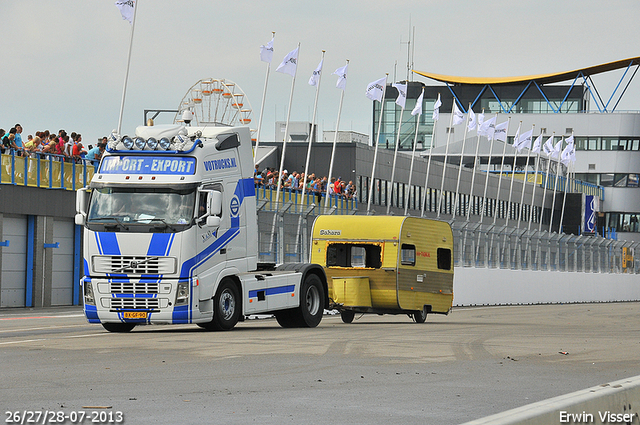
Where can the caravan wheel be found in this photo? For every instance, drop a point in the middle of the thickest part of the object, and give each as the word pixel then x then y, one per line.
pixel 420 316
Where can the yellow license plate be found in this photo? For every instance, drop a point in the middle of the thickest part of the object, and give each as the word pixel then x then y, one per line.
pixel 135 314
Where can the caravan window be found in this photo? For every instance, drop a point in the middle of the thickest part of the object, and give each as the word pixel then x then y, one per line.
pixel 408 255
pixel 354 255
pixel 444 258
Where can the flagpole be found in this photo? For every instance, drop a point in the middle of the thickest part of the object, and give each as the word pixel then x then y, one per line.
pixel 333 149
pixel 446 154
pixel 264 96
pixel 565 186
pixel 513 173
pixel 546 183
pixel 377 142
pixel 486 177
pixel 413 154
pixel 524 184
pixel 286 132
pixel 535 184
pixel 126 75
pixel 475 161
pixel 426 178
pixel 555 187
pixel 464 139
pixel 564 198
pixel 313 131
pixel 504 151
pixel 395 156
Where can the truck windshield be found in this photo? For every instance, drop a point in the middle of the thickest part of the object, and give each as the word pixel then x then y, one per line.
pixel 141 209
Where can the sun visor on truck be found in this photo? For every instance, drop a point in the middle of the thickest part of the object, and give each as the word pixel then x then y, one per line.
pixel 159 131
pixel 227 141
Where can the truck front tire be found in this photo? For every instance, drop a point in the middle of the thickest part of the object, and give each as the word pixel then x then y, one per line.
pixel 226 308
pixel 119 327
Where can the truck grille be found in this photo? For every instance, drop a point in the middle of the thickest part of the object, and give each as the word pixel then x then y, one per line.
pixel 135 303
pixel 129 264
pixel 134 288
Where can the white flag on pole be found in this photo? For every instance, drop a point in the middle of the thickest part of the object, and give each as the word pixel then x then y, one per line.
pixel 436 109
pixel 568 154
pixel 289 63
pixel 266 52
pixel 401 100
pixel 501 131
pixel 488 128
pixel 342 77
pixel 524 141
pixel 557 149
pixel 126 9
pixel 536 144
pixel 417 110
pixel 480 120
pixel 458 116
pixel 315 77
pixel 375 89
pixel 472 120
pixel 517 136
pixel 548 146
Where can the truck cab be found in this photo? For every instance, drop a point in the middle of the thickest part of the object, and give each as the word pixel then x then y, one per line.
pixel 171 236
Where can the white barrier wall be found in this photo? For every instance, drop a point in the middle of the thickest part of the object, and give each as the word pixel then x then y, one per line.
pixel 481 286
pixel 615 402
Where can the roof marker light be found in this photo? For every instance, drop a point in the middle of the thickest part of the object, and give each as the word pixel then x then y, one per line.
pixel 140 143
pixel 152 143
pixel 127 142
pixel 164 143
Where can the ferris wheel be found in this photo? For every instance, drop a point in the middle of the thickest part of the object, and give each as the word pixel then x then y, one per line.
pixel 216 102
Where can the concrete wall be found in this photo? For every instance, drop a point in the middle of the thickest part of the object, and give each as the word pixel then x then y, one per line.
pixel 482 286
pixel 615 402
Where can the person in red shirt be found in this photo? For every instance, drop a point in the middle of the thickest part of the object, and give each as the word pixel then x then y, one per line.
pixel 78 152
pixel 337 187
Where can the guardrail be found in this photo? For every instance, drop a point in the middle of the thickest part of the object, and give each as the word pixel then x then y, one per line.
pixel 45 171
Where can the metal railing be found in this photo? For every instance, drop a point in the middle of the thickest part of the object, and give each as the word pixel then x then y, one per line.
pixel 520 249
pixel 45 171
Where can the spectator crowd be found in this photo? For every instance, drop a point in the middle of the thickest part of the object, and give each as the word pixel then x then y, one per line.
pixel 295 182
pixel 64 147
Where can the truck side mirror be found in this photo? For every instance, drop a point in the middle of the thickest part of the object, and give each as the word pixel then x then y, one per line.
pixel 79 219
pixel 81 201
pixel 213 221
pixel 214 205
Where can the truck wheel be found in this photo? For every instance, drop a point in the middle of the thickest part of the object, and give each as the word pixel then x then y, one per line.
pixel 311 302
pixel 226 304
pixel 347 315
pixel 420 316
pixel 119 327
pixel 287 318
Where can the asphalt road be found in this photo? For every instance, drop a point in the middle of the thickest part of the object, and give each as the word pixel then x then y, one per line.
pixel 378 370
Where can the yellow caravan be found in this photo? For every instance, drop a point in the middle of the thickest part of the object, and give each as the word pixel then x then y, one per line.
pixel 385 264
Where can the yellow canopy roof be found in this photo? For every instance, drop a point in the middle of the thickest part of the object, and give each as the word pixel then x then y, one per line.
pixel 541 78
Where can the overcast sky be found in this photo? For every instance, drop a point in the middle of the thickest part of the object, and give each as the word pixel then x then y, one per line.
pixel 64 61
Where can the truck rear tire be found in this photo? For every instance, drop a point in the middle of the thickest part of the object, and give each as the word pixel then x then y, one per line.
pixel 420 316
pixel 347 315
pixel 311 302
pixel 287 318
pixel 226 307
pixel 119 327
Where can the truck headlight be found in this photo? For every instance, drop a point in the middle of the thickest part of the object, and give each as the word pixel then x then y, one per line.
pixel 88 293
pixel 182 293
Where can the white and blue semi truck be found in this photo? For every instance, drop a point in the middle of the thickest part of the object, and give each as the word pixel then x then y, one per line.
pixel 171 236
